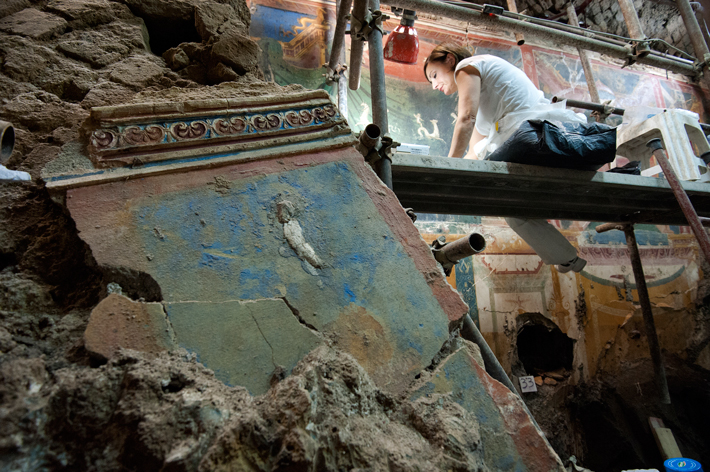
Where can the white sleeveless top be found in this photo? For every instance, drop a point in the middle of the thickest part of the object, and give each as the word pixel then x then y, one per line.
pixel 504 89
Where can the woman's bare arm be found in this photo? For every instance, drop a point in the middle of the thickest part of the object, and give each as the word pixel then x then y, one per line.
pixel 469 89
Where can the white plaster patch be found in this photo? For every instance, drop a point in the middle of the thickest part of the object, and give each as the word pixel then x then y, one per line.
pixel 294 235
pixel 512 264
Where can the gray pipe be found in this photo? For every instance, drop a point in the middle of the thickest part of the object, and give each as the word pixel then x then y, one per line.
pixel 7 141
pixel 470 332
pixel 371 137
pixel 583 58
pixel 451 253
pixel 603 109
pixel 343 8
pixel 339 34
pixel 377 76
pixel 356 46
pixel 379 95
pixel 519 26
pixel 343 95
pixel 634 26
pixel 693 28
pixel 356 49
pixel 513 7
pixel 598 35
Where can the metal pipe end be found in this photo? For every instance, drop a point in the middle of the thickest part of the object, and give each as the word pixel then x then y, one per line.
pixel 7 141
pixel 477 242
pixel 373 131
pixel 370 142
pixel 370 136
pixel 655 144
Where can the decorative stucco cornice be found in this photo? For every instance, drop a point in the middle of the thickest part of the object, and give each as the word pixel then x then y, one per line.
pixel 148 132
pixel 145 139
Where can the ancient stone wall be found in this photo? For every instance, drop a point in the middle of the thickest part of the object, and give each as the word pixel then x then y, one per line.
pixel 60 58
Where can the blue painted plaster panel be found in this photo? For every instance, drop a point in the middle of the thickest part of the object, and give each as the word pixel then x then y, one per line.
pixel 210 245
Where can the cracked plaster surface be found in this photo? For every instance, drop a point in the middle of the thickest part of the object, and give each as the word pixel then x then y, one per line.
pixel 220 332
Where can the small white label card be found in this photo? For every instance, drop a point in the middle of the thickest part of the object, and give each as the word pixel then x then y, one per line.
pixel 527 384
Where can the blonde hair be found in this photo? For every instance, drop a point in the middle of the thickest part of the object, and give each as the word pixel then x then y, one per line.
pixel 440 53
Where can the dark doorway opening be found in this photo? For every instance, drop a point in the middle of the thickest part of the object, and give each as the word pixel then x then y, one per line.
pixel 542 347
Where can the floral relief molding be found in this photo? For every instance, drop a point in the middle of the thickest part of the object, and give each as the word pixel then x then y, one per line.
pixel 217 127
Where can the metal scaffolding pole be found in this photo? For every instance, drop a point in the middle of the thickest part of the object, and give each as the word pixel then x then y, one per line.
pixel 645 302
pixel 336 65
pixel 336 57
pixel 634 26
pixel 377 90
pixel 357 46
pixel 683 201
pixel 606 109
pixel 534 30
pixel 694 31
pixel 586 65
pixel 700 47
pixel 343 90
pixel 519 37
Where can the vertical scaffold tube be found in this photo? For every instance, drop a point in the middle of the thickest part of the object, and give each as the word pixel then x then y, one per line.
pixel 584 59
pixel 356 46
pixel 379 95
pixel 634 26
pixel 693 28
pixel 339 34
pixel 649 325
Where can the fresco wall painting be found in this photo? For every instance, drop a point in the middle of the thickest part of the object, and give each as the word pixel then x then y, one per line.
pixel 508 279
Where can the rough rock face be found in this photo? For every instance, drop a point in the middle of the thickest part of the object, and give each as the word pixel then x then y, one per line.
pixel 174 415
pixel 62 57
pixel 39 247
